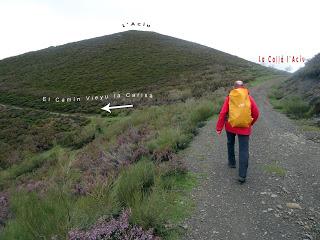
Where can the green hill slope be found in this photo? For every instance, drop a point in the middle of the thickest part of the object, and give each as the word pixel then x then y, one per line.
pixel 304 87
pixel 89 167
pixel 126 61
pixel 306 81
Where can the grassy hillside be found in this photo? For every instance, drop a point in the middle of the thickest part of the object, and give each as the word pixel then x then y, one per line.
pixel 299 96
pixel 72 175
pixel 173 70
pixel 307 82
pixel 133 61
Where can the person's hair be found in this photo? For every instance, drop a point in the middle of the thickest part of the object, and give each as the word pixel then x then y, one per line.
pixel 238 83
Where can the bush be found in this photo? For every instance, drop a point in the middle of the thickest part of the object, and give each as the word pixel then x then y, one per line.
pixel 296 107
pixel 277 93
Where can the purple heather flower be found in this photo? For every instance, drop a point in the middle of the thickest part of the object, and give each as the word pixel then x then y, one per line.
pixel 113 229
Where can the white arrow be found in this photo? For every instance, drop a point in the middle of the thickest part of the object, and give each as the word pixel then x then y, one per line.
pixel 107 108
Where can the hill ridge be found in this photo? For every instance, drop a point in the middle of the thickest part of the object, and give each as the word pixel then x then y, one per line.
pixel 131 60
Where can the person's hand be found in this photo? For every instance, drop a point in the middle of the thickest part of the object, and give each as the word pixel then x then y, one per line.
pixel 218 132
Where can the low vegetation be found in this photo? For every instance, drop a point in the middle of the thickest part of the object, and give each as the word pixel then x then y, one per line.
pixel 152 197
pixel 130 165
pixel 78 176
pixel 299 95
pixel 274 168
pixel 293 105
pixel 311 69
pixel 25 132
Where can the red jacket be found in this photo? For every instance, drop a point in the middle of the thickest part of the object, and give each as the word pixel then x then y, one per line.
pixel 223 118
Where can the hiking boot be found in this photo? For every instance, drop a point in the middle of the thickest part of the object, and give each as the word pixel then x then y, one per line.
pixel 241 180
pixel 231 166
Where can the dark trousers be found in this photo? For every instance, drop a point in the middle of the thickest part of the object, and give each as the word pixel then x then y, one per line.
pixel 243 152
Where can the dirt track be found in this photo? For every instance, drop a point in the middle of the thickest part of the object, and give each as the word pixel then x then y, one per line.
pixel 256 210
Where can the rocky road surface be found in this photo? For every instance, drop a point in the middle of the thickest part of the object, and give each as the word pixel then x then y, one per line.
pixel 282 205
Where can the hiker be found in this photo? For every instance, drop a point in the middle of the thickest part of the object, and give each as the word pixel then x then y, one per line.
pixel 238 113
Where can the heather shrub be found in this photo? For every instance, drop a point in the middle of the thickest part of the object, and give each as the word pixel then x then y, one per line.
pixel 25 132
pixel 4 210
pixel 151 116
pixel 96 158
pixel 76 140
pixel 129 146
pixel 175 166
pixel 114 228
pixel 162 155
pixel 29 165
pixel 9 155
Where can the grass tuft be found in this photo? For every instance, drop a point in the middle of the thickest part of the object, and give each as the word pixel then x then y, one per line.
pixel 134 182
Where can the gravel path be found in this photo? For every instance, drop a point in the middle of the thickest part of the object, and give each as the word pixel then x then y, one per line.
pixel 257 209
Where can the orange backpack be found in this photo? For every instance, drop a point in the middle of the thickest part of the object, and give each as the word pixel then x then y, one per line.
pixel 239 108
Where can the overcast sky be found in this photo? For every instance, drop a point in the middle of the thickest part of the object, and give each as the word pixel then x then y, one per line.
pixel 246 28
